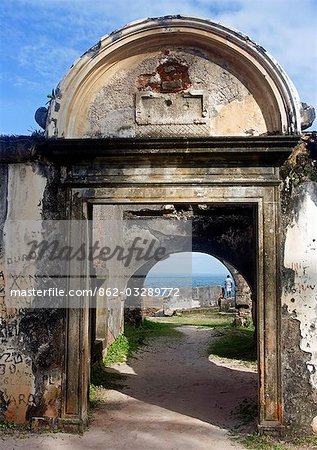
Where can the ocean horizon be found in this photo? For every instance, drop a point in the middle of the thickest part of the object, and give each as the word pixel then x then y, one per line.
pixel 194 280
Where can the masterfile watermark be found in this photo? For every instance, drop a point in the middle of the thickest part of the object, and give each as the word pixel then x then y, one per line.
pixel 102 292
pixel 140 250
pixel 61 264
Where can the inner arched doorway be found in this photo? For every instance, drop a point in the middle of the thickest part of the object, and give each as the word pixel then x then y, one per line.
pixel 198 271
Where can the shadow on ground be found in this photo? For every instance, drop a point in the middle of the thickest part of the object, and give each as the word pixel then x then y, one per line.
pixel 176 375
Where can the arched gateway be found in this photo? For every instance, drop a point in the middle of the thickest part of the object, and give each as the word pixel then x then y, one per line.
pixel 174 77
pixel 179 111
pixel 231 116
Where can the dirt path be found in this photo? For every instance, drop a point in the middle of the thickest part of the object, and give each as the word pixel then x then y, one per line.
pixel 174 398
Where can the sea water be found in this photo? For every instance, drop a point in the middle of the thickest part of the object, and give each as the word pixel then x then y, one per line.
pixel 166 281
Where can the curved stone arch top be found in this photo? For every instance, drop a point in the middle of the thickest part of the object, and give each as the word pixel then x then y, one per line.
pixel 229 85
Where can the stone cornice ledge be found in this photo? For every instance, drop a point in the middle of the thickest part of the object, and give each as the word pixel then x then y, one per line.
pixel 260 150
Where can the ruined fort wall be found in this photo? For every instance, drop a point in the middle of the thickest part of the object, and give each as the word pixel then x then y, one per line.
pixel 31 340
pixel 182 79
pixel 299 286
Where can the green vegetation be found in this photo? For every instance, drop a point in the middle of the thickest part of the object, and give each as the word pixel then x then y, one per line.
pixel 211 319
pixel 232 342
pixel 5 426
pixel 13 428
pixel 101 377
pixel 118 351
pixel 128 343
pixel 51 97
pixel 235 343
pixel 259 442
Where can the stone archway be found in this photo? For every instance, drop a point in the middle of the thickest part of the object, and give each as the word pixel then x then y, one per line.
pixel 178 110
pixel 267 288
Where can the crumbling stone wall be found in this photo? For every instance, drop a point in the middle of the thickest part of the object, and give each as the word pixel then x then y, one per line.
pixel 184 298
pixel 299 285
pixel 246 311
pixel 174 91
pixel 31 340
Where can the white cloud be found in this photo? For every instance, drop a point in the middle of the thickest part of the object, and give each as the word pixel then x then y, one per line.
pixel 287 29
pixel 19 81
pixel 46 58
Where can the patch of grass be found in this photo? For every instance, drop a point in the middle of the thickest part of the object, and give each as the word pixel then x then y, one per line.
pixel 101 377
pixel 95 395
pixel 118 351
pixel 5 426
pixel 128 343
pixel 212 319
pixel 235 343
pixel 149 329
pixel 310 441
pixel 137 336
pixel 259 442
pixel 14 429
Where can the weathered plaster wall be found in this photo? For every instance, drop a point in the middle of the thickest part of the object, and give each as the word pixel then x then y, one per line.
pixel 17 377
pixel 299 296
pixel 243 298
pixel 144 96
pixel 31 340
pixel 107 230
pixel 186 64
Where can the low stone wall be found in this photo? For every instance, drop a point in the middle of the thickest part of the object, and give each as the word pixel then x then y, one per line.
pixel 227 304
pixel 187 298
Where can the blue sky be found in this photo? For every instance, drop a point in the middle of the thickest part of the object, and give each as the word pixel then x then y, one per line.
pixel 41 38
pixel 186 263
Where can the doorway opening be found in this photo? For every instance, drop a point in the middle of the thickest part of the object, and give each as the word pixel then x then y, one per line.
pixel 229 232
